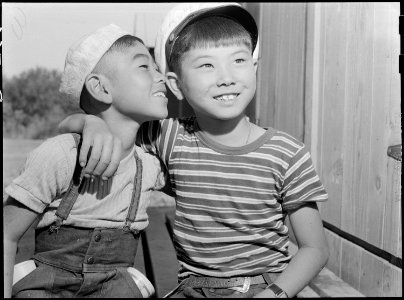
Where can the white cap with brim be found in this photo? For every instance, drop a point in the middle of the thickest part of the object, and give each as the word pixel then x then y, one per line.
pixel 83 56
pixel 181 15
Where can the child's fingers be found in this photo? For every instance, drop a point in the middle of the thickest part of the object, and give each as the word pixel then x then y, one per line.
pixel 84 150
pixel 95 155
pixel 105 158
pixel 115 159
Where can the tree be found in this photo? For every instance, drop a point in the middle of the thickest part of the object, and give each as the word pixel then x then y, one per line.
pixel 33 105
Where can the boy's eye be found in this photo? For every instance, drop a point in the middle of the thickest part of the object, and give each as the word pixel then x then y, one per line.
pixel 206 66
pixel 144 67
pixel 240 60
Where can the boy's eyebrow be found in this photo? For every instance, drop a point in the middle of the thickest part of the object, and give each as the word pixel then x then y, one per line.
pixel 140 55
pixel 209 56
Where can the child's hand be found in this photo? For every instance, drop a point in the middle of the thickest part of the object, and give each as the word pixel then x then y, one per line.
pixel 102 149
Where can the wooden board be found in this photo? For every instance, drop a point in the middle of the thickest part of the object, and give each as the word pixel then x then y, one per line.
pixel 280 85
pixel 162 267
pixel 332 97
pixel 350 263
pixel 371 279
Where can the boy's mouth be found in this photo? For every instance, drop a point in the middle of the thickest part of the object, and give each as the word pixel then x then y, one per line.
pixel 159 94
pixel 226 97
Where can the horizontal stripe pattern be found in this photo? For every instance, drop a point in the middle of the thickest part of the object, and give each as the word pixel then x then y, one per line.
pixel 231 206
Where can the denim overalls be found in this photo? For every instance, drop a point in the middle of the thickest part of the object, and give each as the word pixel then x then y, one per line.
pixel 83 262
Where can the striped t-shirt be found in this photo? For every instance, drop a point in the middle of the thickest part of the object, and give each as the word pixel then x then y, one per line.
pixel 231 202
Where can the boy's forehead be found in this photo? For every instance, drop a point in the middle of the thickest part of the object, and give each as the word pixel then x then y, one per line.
pixel 135 50
pixel 217 51
pixel 139 48
pixel 185 13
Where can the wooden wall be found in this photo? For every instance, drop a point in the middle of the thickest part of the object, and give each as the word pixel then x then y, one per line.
pixel 329 75
pixel 355 117
pixel 281 66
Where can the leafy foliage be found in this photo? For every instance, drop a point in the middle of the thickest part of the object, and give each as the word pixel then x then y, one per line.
pixel 33 106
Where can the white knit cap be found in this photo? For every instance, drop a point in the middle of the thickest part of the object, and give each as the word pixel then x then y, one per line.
pixel 180 15
pixel 83 56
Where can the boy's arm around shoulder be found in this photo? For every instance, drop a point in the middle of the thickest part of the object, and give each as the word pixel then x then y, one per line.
pixel 17 218
pixel 100 151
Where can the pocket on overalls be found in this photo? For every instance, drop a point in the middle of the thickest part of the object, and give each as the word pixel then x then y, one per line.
pixel 38 283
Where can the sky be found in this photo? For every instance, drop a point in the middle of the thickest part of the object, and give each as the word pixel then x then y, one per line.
pixel 39 34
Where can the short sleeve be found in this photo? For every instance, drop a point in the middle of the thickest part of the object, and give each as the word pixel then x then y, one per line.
pixel 158 137
pixel 46 174
pixel 301 182
pixel 161 177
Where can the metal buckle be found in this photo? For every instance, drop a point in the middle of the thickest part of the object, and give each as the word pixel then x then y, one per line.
pixel 245 287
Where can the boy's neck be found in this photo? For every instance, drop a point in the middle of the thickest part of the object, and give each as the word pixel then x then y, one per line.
pixel 234 133
pixel 123 128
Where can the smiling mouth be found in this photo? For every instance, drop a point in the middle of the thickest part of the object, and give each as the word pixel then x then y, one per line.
pixel 226 98
pixel 159 94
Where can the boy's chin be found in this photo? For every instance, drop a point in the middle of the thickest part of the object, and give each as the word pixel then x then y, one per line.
pixel 222 115
pixel 160 115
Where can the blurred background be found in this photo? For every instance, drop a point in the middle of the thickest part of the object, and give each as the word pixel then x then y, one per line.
pixel 328 74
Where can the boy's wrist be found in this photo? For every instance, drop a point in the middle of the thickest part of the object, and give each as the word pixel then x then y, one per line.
pixel 277 291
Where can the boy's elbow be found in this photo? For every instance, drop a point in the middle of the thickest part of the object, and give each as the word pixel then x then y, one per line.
pixel 324 255
pixel 10 239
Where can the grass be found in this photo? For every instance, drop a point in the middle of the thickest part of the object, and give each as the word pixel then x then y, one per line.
pixel 14 155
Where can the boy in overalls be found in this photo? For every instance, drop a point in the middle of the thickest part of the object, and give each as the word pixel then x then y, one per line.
pixel 88 229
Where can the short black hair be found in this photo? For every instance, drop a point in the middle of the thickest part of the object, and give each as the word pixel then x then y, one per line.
pixel 123 43
pixel 210 31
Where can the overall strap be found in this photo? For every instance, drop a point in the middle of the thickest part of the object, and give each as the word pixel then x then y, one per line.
pixel 72 192
pixel 134 203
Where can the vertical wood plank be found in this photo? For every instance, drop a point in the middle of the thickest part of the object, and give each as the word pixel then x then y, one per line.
pixel 379 130
pixel 371 280
pixel 334 245
pixel 359 98
pixel 266 83
pixel 350 263
pixel 392 234
pixel 392 281
pixel 290 73
pixel 281 70
pixel 392 237
pixel 253 108
pixel 332 109
pixel 319 49
pixel 311 78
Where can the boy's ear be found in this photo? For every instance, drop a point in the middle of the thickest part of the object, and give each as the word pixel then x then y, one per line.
pixel 99 87
pixel 255 62
pixel 174 85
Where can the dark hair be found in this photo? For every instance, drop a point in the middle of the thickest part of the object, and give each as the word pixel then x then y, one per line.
pixel 123 43
pixel 207 32
pixel 120 45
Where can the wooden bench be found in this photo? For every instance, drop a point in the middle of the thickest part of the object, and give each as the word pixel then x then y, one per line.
pixel 161 264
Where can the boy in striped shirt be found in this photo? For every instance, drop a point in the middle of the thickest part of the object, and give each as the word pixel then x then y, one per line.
pixel 234 181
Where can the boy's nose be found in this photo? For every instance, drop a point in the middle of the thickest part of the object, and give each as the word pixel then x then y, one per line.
pixel 159 77
pixel 224 77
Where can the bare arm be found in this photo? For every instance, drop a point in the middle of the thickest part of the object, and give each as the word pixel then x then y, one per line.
pixel 17 218
pixel 99 146
pixel 311 256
